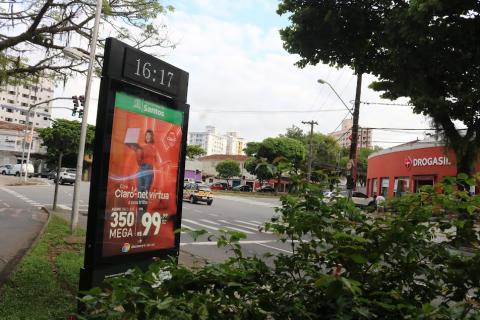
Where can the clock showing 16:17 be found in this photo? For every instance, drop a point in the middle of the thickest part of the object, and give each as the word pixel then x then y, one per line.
pixel 150 71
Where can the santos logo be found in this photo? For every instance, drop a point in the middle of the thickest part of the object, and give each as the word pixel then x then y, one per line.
pixel 423 162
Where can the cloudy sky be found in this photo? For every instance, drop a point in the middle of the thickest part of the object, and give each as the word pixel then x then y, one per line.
pixel 241 79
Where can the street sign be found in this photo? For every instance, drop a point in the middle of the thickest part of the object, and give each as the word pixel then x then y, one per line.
pixel 138 164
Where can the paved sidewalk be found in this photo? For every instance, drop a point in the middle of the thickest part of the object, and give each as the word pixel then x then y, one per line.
pixel 12 180
pixel 18 230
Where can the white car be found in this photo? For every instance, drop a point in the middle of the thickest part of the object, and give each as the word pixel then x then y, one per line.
pixel 17 169
pixel 360 199
pixel 67 175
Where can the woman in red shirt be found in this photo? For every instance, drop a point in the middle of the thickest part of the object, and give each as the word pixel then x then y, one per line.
pixel 147 156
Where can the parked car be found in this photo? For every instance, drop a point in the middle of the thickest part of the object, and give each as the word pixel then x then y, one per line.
pixel 52 175
pixel 67 175
pixel 219 186
pixel 244 188
pixel 266 188
pixel 196 192
pixel 18 169
pixel 5 169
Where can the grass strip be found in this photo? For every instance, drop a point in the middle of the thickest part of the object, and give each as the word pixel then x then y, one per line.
pixel 45 283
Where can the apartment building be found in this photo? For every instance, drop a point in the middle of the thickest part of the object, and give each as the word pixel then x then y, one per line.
pixel 215 143
pixel 15 100
pixel 344 135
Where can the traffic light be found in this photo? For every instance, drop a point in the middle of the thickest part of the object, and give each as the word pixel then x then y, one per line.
pixel 75 105
pixel 82 103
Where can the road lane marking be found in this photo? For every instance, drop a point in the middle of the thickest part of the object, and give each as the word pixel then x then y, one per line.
pixel 249 223
pixel 200 224
pixel 257 221
pixel 275 248
pixel 236 229
pixel 210 221
pixel 214 243
pixel 238 225
pixel 213 215
pixel 249 201
pixel 184 226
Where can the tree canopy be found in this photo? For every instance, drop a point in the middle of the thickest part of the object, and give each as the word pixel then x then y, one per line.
pixel 425 50
pixel 63 137
pixel 33 33
pixel 228 169
pixel 194 151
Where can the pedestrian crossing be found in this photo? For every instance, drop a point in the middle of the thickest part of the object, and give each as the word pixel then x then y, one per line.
pixel 248 227
pixel 22 197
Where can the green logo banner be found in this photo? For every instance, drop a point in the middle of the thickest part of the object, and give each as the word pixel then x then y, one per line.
pixel 147 108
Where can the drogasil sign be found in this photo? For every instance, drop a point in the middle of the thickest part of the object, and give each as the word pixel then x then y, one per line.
pixel 424 162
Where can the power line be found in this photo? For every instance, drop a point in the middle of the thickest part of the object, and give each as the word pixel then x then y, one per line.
pixel 265 111
pixel 409 129
pixel 385 103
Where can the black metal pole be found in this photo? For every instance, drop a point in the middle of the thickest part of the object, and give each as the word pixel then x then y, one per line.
pixel 353 146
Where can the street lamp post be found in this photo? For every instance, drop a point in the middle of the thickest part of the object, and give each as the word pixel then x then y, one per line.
pixel 83 132
pixel 353 144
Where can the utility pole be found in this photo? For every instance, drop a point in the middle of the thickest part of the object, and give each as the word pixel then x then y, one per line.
pixel 353 146
pixel 310 148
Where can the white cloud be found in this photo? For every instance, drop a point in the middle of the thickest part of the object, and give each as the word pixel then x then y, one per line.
pixel 242 66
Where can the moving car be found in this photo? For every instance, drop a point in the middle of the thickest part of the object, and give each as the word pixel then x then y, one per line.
pixel 266 188
pixel 244 188
pixel 219 186
pixel 360 199
pixel 196 192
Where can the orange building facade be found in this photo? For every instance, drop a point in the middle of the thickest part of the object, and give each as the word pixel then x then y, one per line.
pixel 408 167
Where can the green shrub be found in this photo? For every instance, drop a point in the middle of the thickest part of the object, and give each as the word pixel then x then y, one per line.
pixel 346 264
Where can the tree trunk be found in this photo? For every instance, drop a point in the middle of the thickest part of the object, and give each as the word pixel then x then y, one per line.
pixel 467 155
pixel 59 165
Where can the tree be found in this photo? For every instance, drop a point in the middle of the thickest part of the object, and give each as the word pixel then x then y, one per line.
pixel 194 151
pixel 35 32
pixel 256 167
pixel 285 154
pixel 251 149
pixel 424 50
pixel 438 69
pixel 62 139
pixel 228 169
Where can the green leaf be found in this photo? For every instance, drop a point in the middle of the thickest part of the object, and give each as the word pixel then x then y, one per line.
pixel 357 258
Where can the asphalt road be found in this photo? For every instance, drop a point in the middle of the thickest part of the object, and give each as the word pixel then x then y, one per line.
pixel 235 213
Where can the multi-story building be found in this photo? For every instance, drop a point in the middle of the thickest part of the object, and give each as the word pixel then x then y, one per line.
pixel 15 100
pixel 235 144
pixel 12 144
pixel 344 135
pixel 215 143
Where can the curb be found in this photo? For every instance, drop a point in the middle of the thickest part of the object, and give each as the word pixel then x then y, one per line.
pixel 13 263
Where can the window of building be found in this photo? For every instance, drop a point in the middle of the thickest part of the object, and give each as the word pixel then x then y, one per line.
pixel 384 187
pixel 45 118
pixel 26 86
pixel 23 104
pixel 10 101
pixel 21 121
pixel 401 186
pixel 9 110
pixel 25 95
pixel 9 119
pixel 374 186
pixel 23 113
pixel 46 110
pixel 33 98
pixel 11 92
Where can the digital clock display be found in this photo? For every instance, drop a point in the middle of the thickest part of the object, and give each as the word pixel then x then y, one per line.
pixel 152 72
